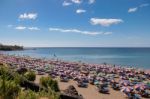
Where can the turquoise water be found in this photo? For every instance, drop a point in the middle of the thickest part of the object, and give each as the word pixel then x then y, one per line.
pixel 137 57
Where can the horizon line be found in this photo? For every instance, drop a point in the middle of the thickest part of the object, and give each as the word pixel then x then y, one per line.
pixel 86 47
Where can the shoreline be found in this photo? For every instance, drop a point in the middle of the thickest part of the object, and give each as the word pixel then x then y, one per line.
pixel 76 61
pixel 71 55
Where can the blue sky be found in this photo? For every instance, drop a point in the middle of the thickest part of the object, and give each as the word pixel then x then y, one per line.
pixel 75 23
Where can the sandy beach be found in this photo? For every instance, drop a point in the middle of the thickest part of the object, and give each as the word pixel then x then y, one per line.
pixel 90 92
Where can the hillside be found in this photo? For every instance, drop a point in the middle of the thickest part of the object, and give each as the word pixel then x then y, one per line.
pixel 10 47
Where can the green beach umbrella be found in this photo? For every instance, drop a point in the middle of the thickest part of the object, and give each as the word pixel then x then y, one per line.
pixel 148 84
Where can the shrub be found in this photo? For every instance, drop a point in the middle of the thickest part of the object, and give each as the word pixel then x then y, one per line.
pixel 28 94
pixel 48 82
pixel 30 75
pixel 54 86
pixel 8 88
pixel 3 69
pixel 50 94
pixel 22 70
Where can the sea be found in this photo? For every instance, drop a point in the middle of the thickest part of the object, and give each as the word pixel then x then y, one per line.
pixel 128 57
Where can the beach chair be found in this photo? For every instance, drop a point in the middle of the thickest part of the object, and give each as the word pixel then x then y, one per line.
pixel 116 86
pixel 136 96
pixel 64 79
pixel 146 94
pixel 85 80
pixel 91 81
pixel 133 95
pixel 82 84
pixel 103 89
pixel 41 73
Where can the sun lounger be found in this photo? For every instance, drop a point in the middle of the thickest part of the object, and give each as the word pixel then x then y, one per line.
pixel 146 94
pixel 116 86
pixel 64 79
pixel 103 89
pixel 82 84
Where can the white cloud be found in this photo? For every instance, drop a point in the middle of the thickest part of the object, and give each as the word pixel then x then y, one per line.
pixel 144 5
pixel 79 31
pixel 131 10
pixel 20 28
pixel 33 28
pixel 105 22
pixel 28 16
pixel 91 1
pixel 107 33
pixel 10 25
pixel 66 3
pixel 77 1
pixel 80 11
pixel 25 28
pixel 70 2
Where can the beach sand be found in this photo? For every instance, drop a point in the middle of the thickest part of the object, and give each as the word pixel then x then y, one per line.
pixel 87 93
pixel 91 92
pixel 37 80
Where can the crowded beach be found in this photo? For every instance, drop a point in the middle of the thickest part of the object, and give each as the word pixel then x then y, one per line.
pixel 92 81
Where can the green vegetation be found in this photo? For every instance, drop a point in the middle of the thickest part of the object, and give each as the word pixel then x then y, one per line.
pixel 11 86
pixel 10 47
pixel 28 93
pixel 30 75
pixel 9 89
pixel 38 95
pixel 49 82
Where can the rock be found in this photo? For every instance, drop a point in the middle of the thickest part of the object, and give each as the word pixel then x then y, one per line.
pixel 71 93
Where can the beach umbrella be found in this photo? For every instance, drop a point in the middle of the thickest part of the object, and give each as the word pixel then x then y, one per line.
pixel 130 74
pixel 145 82
pixel 140 86
pixel 101 74
pixel 143 76
pixel 125 82
pixel 96 82
pixel 109 75
pixel 92 72
pixel 137 86
pixel 148 84
pixel 126 89
pixel 133 79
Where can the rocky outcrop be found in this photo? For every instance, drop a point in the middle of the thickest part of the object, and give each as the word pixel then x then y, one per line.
pixel 71 93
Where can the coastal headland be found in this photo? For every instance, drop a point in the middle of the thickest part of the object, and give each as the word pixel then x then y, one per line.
pixel 10 47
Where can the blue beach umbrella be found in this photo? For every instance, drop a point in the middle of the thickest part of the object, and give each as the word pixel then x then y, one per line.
pixel 126 89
